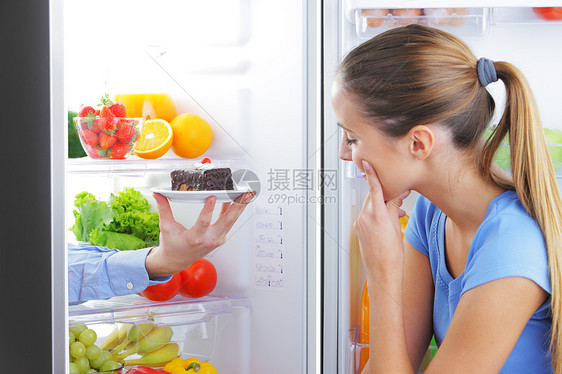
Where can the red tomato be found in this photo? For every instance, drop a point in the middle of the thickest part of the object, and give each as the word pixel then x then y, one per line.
pixel 163 291
pixel 199 279
pixel 549 13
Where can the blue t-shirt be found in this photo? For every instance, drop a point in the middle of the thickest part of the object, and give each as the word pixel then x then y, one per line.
pixel 508 243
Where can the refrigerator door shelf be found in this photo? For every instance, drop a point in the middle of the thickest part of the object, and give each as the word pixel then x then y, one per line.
pixel 198 326
pixel 459 21
pixel 355 350
pixel 351 5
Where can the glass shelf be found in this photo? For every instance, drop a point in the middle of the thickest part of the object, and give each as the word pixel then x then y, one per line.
pixel 196 325
pixel 137 165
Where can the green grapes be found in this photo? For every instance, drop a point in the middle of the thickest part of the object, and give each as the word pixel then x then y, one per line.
pixel 88 337
pixel 73 368
pixel 96 363
pixel 77 349
pixel 93 352
pixel 82 363
pixel 85 356
pixel 105 356
pixel 109 365
pixel 76 330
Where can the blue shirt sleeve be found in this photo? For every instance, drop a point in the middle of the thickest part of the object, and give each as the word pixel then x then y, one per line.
pixel 100 273
pixel 508 245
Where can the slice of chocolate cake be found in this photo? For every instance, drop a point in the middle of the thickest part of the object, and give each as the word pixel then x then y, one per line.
pixel 202 180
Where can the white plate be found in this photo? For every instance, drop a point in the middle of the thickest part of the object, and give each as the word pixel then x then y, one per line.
pixel 223 196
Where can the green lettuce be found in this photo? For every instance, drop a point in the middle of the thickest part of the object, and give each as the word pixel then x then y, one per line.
pixel 116 240
pixel 91 215
pixel 126 213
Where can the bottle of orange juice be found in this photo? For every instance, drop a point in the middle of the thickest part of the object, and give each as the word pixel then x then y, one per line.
pixel 364 314
pixel 148 105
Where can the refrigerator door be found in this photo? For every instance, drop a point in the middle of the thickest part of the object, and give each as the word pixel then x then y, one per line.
pixel 250 69
pixel 25 267
pixel 508 31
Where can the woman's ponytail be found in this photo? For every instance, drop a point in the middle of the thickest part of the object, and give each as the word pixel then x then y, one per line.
pixel 534 180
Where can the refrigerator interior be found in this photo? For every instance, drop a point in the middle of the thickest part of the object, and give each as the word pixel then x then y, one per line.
pixel 513 34
pixel 241 65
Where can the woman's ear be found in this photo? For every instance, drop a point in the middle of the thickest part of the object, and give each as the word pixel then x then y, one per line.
pixel 421 141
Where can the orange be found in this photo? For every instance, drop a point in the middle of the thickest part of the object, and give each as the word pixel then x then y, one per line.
pixel 192 135
pixel 149 106
pixel 155 139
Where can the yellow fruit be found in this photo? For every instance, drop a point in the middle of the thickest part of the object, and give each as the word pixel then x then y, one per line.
pixel 192 135
pixel 155 139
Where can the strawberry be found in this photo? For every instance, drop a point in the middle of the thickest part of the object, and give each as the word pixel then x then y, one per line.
pixel 119 151
pixel 106 141
pixel 95 127
pixel 106 112
pixel 126 132
pixel 119 110
pixel 206 161
pixel 108 123
pixel 89 137
pixel 86 110
pixel 86 123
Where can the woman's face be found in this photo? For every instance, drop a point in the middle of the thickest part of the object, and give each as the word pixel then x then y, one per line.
pixel 362 141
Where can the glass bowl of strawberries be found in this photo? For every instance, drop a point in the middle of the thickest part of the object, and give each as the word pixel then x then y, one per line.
pixel 107 133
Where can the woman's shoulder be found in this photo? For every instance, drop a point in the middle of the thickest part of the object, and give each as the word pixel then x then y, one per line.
pixel 506 215
pixel 508 243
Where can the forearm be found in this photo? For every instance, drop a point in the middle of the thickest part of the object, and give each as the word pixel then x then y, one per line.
pixel 387 342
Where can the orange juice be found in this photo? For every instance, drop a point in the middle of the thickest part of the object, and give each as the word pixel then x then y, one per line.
pixel 148 106
pixel 364 328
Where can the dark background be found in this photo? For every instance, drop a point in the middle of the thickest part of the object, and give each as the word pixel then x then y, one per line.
pixel 25 234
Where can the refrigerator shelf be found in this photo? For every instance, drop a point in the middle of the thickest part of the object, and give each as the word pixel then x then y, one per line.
pixel 135 307
pixel 137 165
pixel 197 325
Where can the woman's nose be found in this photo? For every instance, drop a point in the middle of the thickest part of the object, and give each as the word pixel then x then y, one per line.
pixel 345 150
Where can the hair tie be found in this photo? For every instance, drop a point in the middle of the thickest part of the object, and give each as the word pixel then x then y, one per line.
pixel 486 71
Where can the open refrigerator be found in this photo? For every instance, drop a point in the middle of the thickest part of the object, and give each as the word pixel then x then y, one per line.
pixel 498 30
pixel 290 277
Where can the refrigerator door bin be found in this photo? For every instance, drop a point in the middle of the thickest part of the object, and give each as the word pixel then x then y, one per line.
pixel 197 326
pixel 355 350
pixel 370 19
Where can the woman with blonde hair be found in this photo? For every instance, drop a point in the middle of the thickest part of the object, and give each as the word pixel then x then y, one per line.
pixel 480 266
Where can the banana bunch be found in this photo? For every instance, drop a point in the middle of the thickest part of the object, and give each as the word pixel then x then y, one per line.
pixel 150 341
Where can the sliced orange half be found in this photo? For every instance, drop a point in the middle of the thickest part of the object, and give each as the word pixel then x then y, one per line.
pixel 155 139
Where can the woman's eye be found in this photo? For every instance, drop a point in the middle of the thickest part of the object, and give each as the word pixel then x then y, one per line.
pixel 349 141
